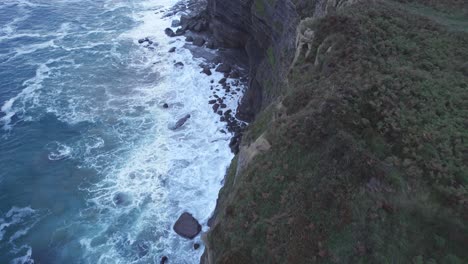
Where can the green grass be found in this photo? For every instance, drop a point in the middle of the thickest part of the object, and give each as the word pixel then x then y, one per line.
pixel 369 165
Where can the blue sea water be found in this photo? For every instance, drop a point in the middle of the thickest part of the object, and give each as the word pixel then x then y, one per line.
pixel 89 170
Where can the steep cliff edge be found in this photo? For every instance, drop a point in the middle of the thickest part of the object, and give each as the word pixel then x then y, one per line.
pixel 358 152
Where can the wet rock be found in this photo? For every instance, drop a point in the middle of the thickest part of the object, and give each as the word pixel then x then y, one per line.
pixel 175 23
pixel 196 246
pixel 206 70
pixel 189 39
pixel 179 64
pixel 222 81
pixel 212 101
pixel 187 226
pixel 180 32
pixel 235 74
pixel 211 45
pixel 173 49
pixel 164 260
pixel 223 68
pixel 169 32
pixel 220 112
pixel 223 106
pixel 141 41
pixel 215 107
pixel 198 41
pixel 165 105
pixel 181 122
pixel 235 142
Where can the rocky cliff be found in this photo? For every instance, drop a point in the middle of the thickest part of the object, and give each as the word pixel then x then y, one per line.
pixel 355 148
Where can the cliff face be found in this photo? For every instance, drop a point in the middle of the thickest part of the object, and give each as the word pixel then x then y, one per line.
pixel 266 29
pixel 356 153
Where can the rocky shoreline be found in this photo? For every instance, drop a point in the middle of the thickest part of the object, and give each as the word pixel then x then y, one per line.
pixel 231 62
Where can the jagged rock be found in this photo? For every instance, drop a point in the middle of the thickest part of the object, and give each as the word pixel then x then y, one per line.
pixel 189 39
pixel 222 81
pixel 181 122
pixel 206 70
pixel 196 246
pixel 175 23
pixel 215 107
pixel 187 226
pixel 223 68
pixel 173 49
pixel 180 32
pixel 169 32
pixel 198 41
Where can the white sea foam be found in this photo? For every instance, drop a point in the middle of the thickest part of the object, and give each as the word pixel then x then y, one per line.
pixel 164 173
pixel 58 151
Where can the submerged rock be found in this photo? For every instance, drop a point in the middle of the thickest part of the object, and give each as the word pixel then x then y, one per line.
pixel 173 49
pixel 187 226
pixel 189 39
pixel 181 122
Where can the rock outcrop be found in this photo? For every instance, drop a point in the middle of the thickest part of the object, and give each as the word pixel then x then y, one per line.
pixel 187 226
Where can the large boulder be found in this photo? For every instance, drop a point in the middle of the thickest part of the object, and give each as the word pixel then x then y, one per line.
pixel 198 41
pixel 187 226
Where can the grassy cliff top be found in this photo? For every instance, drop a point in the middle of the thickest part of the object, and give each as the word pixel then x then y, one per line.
pixel 368 162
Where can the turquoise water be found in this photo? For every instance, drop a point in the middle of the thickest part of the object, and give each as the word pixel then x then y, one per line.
pixel 89 170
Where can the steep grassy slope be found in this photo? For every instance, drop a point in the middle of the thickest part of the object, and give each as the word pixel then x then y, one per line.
pixel 368 158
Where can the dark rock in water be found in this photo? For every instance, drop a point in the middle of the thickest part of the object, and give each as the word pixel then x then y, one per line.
pixel 207 71
pixel 169 32
pixel 175 23
pixel 122 199
pixel 222 119
pixel 215 107
pixel 187 226
pixel 196 246
pixel 141 41
pixel 223 68
pixel 165 105
pixel 163 260
pixel 212 81
pixel 180 32
pixel 198 41
pixel 223 105
pixel 189 39
pixel 220 112
pixel 181 122
pixel 172 49
pixel 179 64
pixel 222 81
pixel 212 101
